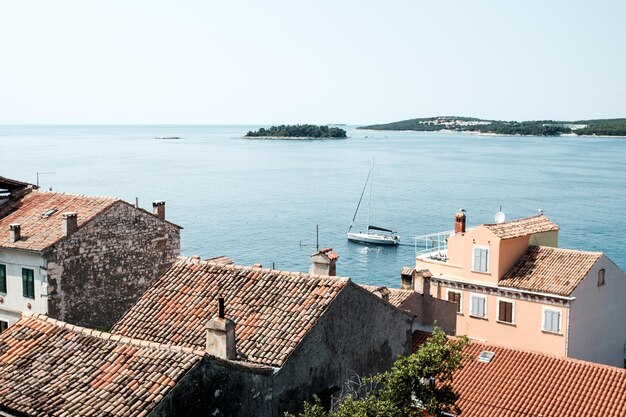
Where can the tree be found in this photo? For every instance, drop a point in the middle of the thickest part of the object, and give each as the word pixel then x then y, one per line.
pixel 417 385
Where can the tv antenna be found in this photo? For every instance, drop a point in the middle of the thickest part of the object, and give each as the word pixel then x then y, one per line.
pixel 500 217
pixel 43 173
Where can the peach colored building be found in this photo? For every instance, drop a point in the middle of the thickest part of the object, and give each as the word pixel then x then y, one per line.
pixel 514 287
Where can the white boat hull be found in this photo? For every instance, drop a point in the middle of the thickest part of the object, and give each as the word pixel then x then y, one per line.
pixel 374 239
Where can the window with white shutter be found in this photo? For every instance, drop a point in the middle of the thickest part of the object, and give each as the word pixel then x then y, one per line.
pixel 481 259
pixel 551 320
pixel 478 306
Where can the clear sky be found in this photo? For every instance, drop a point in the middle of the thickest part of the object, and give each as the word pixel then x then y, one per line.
pixel 337 61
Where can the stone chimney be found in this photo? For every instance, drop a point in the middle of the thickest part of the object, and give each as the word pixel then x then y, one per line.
pixel 459 221
pixel 15 232
pixel 158 209
pixel 220 335
pixel 324 262
pixel 70 223
pixel 418 281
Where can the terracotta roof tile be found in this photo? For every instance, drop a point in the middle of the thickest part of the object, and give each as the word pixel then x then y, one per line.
pixel 39 231
pixel 522 227
pixel 50 368
pixel 396 296
pixel 550 270
pixel 517 383
pixel 272 310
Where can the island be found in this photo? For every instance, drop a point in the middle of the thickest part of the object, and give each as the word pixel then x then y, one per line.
pixel 597 127
pixel 298 132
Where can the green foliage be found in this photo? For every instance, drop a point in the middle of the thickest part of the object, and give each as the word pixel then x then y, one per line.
pixel 304 131
pixel 416 383
pixel 606 127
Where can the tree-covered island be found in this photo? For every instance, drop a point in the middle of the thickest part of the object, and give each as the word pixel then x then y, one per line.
pixel 600 127
pixel 298 132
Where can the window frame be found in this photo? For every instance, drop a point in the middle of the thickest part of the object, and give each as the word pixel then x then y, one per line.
pixel 601 277
pixel 487 258
pixel 471 298
pixel 460 303
pixel 3 279
pixel 543 319
pixel 505 300
pixel 26 285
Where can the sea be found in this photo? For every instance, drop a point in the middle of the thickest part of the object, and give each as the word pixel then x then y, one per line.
pixel 274 202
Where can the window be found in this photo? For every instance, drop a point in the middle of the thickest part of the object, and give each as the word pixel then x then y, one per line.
pixel 505 311
pixel 601 277
pixel 28 283
pixel 3 278
pixel 478 306
pixel 481 259
pixel 455 297
pixel 551 320
pixel 3 325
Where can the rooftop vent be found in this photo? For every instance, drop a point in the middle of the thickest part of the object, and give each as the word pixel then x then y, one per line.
pixel 48 213
pixel 486 356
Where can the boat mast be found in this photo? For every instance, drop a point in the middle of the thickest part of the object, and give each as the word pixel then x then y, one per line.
pixel 360 199
pixel 369 203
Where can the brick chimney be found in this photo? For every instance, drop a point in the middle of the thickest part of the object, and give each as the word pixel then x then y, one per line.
pixel 324 262
pixel 406 277
pixel 382 292
pixel 158 209
pixel 15 232
pixel 69 223
pixel 459 221
pixel 220 335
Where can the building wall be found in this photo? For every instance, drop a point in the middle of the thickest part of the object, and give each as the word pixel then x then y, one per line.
pixel 359 334
pixel 598 316
pixel 525 332
pixel 13 301
pixel 101 270
pixel 216 387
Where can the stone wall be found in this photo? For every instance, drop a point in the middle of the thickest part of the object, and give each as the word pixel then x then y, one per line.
pixel 360 334
pixel 101 270
pixel 216 387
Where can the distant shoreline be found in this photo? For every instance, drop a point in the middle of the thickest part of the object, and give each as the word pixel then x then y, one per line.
pixel 475 133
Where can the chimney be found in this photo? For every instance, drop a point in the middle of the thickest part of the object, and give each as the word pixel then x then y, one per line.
pixel 459 221
pixel 15 232
pixel 324 262
pixel 418 281
pixel 220 335
pixel 406 277
pixel 70 223
pixel 158 209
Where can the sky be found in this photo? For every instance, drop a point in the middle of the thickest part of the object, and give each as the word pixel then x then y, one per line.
pixel 337 61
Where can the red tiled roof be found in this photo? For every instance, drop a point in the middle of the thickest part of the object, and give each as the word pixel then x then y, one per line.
pixel 522 227
pixel 272 310
pixel 396 296
pixel 550 270
pixel 40 232
pixel 518 383
pixel 48 367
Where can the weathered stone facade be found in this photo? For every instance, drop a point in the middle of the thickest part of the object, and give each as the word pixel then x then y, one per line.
pixel 97 273
pixel 360 334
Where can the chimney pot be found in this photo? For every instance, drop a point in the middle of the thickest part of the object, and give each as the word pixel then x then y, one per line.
pixel 158 209
pixel 69 223
pixel 459 221
pixel 15 232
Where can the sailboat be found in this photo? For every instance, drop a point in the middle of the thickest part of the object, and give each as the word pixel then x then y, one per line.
pixel 374 234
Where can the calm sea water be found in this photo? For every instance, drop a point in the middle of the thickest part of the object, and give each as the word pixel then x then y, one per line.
pixel 259 201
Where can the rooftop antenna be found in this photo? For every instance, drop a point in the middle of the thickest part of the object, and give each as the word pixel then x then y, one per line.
pixel 42 173
pixel 317 237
